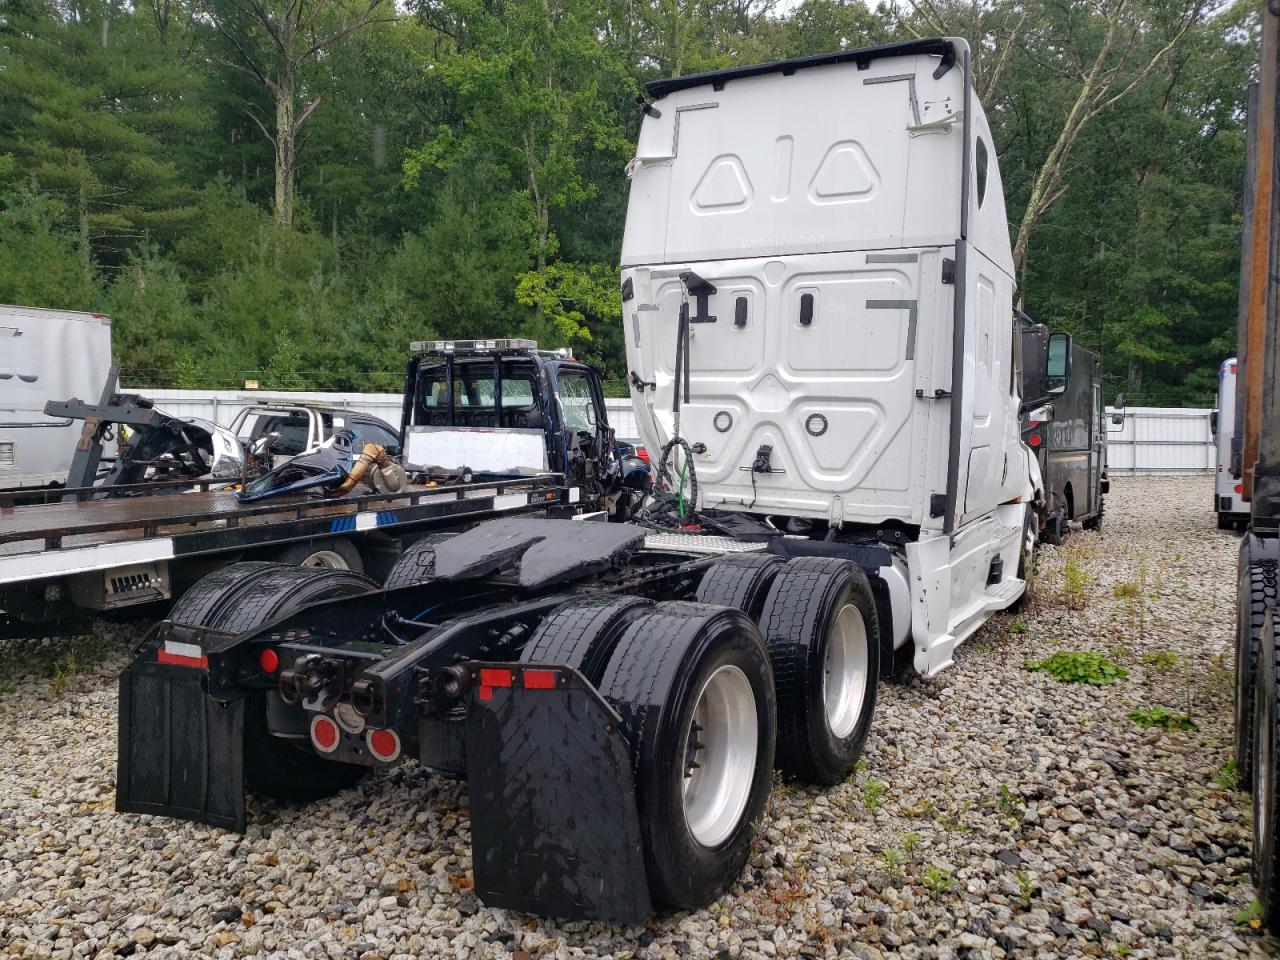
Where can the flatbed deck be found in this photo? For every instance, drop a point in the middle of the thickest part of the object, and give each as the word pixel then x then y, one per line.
pixel 55 539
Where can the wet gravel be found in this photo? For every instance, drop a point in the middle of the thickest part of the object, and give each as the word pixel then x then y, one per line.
pixel 998 813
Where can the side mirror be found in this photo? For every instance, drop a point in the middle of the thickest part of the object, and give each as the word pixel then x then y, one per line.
pixel 1057 367
pixel 1213 422
pixel 1117 416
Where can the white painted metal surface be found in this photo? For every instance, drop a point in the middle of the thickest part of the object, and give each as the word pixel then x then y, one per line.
pixel 822 203
pixel 1226 484
pixel 1160 440
pixel 484 449
pixel 46 355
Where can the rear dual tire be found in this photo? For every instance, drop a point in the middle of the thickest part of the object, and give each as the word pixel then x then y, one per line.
pixel 699 712
pixel 1257 593
pixel 819 622
pixel 245 596
pixel 1264 751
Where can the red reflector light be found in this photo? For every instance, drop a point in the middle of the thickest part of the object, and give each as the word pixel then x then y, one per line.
pixel 383 744
pixel 1239 488
pixel 1035 440
pixel 324 734
pixel 269 661
pixel 643 454
pixel 539 679
pixel 1233 368
pixel 490 677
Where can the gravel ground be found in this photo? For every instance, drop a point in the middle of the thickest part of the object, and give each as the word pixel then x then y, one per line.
pixel 999 812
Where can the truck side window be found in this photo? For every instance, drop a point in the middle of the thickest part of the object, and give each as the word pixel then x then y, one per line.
pixel 576 401
pixel 980 167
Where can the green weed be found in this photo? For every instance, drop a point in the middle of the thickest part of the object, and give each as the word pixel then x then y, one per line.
pixel 1080 666
pixel 1250 915
pixel 1161 659
pixel 872 794
pixel 1228 777
pixel 936 880
pixel 1161 718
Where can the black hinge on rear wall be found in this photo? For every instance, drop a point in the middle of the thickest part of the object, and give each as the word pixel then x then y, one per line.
pixel 937 505
pixel 948 270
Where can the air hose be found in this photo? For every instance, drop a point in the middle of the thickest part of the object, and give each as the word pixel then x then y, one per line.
pixel 688 466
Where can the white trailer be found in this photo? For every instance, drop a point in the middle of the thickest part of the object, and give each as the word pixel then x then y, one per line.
pixel 1228 498
pixel 46 355
pixel 833 228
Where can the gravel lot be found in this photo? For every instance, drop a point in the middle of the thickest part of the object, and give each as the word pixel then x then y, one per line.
pixel 1000 812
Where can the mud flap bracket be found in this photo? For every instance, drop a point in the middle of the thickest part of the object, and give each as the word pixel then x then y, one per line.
pixel 554 824
pixel 180 753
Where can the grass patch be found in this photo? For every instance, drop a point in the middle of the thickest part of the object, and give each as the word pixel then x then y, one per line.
pixel 1127 590
pixel 1161 659
pixel 1075 581
pixel 1016 627
pixel 1080 666
pixel 1228 777
pixel 1161 718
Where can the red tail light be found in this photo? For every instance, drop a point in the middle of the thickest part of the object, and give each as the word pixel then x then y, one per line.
pixel 643 454
pixel 539 679
pixel 383 744
pixel 490 677
pixel 269 661
pixel 1239 488
pixel 1034 440
pixel 324 734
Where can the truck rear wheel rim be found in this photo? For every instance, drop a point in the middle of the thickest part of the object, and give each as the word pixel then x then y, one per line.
pixel 719 756
pixel 844 676
pixel 326 560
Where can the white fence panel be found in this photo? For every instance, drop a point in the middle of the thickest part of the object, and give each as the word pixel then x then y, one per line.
pixel 1151 440
pixel 1160 440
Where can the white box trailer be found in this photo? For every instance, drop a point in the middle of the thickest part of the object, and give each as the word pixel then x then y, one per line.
pixel 46 355
pixel 834 229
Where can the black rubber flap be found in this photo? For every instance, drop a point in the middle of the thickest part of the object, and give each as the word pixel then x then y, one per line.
pixel 180 754
pixel 554 825
pixel 537 553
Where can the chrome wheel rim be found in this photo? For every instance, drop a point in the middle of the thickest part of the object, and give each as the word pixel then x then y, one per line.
pixel 719 756
pixel 844 674
pixel 326 560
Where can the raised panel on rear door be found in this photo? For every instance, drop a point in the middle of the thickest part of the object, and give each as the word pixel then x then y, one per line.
pixel 834 397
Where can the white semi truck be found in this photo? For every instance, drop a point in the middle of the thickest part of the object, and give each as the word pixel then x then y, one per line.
pixel 818 297
pixel 818 305
pixel 45 355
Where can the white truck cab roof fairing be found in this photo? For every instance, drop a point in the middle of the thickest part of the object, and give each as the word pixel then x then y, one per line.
pixel 824 200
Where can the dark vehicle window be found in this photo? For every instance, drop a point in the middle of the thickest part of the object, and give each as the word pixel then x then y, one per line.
pixel 577 402
pixel 292 429
pixel 473 389
pixel 369 431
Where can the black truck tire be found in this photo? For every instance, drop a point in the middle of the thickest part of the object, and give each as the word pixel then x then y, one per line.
pixel 1027 554
pixel 206 598
pixel 418 562
pixel 1055 529
pixel 675 664
pixel 245 596
pixel 1256 593
pixel 584 632
pixel 322 553
pixel 820 625
pixel 1266 845
pixel 741 582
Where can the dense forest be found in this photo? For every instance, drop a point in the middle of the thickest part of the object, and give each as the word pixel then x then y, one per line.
pixel 291 190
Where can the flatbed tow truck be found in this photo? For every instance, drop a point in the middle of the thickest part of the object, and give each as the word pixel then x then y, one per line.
pixel 844 387
pixel 141 543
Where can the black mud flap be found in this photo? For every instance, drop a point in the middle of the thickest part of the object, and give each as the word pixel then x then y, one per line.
pixel 180 752
pixel 554 826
